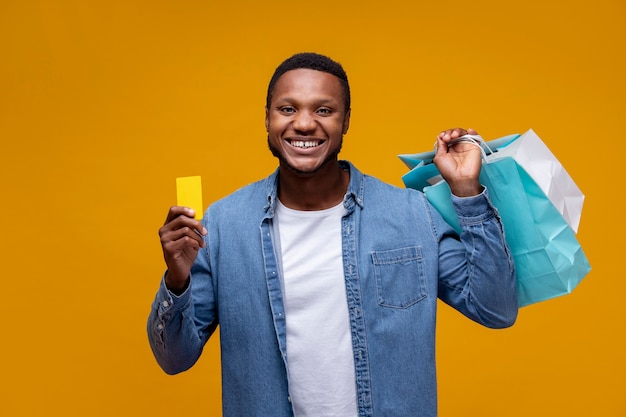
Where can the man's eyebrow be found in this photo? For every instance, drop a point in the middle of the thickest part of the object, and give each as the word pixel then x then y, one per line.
pixel 327 100
pixel 319 101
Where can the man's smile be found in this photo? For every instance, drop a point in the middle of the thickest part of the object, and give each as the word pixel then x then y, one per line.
pixel 304 144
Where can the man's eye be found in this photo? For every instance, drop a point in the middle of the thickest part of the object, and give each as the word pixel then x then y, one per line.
pixel 287 109
pixel 324 110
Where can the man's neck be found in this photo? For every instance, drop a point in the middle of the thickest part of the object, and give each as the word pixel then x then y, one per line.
pixel 324 189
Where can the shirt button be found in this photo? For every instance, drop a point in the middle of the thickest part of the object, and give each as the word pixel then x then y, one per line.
pixel 160 326
pixel 166 304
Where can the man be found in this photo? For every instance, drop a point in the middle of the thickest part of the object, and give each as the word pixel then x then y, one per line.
pixel 324 280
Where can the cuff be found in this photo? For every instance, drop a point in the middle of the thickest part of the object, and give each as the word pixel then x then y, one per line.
pixel 475 208
pixel 168 301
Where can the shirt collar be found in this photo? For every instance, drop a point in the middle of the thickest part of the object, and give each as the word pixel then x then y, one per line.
pixel 354 193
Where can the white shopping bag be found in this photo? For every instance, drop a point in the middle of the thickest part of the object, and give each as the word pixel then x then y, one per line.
pixel 539 162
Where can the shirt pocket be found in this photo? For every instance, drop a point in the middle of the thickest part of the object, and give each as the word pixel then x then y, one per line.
pixel 400 281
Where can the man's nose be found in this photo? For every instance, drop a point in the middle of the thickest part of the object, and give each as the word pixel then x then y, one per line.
pixel 304 122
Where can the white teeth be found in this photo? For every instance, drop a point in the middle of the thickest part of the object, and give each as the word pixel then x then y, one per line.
pixel 304 144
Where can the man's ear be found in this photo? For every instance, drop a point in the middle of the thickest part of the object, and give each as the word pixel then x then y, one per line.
pixel 346 122
pixel 267 120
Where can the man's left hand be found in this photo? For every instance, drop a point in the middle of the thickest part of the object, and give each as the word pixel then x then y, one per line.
pixel 460 163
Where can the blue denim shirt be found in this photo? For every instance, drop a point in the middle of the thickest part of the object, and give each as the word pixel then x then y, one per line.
pixel 398 256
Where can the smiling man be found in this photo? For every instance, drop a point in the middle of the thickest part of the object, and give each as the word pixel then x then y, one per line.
pixel 305 121
pixel 323 280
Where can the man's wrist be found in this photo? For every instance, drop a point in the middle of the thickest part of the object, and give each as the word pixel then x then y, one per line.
pixel 176 287
pixel 466 190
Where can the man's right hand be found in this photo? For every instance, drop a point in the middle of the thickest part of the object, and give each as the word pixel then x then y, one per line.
pixel 181 239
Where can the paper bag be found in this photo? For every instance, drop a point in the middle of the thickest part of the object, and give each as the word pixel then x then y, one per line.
pixel 539 162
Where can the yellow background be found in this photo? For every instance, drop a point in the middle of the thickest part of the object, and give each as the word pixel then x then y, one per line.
pixel 104 103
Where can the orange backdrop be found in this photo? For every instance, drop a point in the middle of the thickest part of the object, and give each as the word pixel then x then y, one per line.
pixel 104 103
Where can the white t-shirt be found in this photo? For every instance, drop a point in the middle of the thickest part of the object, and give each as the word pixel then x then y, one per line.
pixel 319 345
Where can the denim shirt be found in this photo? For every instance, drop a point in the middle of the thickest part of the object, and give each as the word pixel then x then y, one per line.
pixel 398 256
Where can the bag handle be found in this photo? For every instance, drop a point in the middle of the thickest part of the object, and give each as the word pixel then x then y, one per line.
pixel 476 140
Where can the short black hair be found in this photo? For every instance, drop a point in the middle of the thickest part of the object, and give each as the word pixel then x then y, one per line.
pixel 314 61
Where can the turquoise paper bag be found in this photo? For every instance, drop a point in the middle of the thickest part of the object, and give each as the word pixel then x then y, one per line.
pixel 548 258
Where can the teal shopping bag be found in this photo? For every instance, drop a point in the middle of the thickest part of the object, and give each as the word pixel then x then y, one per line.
pixel 548 258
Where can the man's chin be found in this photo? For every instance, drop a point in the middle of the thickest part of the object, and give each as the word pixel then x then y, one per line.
pixel 302 170
pixel 308 170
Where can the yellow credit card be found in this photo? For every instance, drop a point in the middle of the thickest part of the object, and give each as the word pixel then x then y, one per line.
pixel 189 194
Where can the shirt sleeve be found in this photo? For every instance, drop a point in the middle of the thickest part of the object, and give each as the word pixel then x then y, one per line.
pixel 476 270
pixel 179 326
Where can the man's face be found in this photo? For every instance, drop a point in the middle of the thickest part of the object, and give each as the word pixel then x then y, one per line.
pixel 306 120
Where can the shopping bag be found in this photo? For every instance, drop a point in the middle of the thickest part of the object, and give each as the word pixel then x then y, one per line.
pixel 548 258
pixel 539 162
pixel 531 153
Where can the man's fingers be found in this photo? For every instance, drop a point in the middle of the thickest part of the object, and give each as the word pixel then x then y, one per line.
pixel 455 133
pixel 177 211
pixel 446 135
pixel 183 219
pixel 184 235
pixel 175 248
